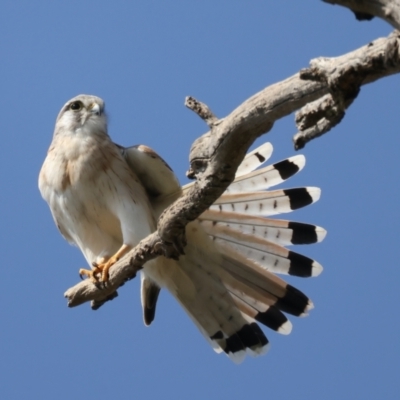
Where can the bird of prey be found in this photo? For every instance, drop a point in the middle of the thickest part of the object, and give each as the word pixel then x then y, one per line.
pixel 105 198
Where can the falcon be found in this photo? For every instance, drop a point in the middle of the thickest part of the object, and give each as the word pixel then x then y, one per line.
pixel 105 198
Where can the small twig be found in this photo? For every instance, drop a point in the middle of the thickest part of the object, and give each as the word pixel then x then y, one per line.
pixel 202 110
pixel 315 119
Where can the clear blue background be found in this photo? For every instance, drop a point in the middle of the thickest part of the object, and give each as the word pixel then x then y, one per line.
pixel 143 59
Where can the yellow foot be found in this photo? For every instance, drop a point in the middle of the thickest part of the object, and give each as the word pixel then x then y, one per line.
pixel 91 274
pixel 104 266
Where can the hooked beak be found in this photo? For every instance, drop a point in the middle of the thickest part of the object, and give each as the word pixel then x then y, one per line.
pixel 95 109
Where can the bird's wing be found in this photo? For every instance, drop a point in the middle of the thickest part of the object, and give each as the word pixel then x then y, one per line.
pixel 149 295
pixel 162 187
pixel 160 182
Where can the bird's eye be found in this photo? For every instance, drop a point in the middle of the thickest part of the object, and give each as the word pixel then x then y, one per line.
pixel 76 106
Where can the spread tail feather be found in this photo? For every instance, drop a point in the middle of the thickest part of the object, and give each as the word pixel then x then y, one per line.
pixel 231 296
pixel 267 177
pixel 215 311
pixel 267 203
pixel 255 159
pixel 281 232
pixel 226 282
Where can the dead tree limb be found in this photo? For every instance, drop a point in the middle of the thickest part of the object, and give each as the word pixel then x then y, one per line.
pixel 321 92
pixel 389 10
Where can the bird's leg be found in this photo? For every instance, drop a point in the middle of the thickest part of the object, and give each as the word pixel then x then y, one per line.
pixel 106 265
pixel 92 274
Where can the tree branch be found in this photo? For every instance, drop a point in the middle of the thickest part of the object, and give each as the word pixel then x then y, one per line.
pixel 389 10
pixel 323 92
pixel 201 110
pixel 343 77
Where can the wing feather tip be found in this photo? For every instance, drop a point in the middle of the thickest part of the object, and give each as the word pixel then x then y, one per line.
pixel 310 306
pixel 321 233
pixel 250 339
pixel 286 328
pixel 290 166
pixel 314 192
pixel 316 269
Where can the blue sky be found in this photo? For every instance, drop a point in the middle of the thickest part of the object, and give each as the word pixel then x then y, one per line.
pixel 143 59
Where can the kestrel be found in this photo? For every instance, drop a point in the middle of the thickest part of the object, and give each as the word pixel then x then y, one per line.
pixel 105 198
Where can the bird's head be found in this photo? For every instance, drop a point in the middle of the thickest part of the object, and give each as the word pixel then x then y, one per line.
pixel 83 113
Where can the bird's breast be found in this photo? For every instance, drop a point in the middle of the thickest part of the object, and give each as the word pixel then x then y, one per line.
pixel 72 162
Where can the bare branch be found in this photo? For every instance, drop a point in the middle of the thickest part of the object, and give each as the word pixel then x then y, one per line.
pixel 343 81
pixel 201 110
pixel 124 270
pixel 389 10
pixel 324 91
pixel 317 118
pixel 204 112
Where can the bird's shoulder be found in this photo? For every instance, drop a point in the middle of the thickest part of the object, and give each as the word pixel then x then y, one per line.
pixel 154 173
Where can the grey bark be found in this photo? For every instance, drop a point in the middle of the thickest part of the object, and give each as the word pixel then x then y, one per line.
pixel 389 10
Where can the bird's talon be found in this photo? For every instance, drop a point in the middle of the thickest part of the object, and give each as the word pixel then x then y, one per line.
pixel 105 276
